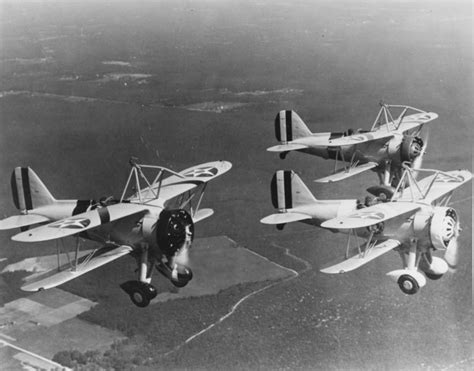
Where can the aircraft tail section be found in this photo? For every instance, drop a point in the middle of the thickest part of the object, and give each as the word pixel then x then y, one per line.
pixel 289 191
pixel 29 192
pixel 289 126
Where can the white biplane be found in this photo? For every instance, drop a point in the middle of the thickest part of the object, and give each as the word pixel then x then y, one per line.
pixel 415 220
pixel 384 148
pixel 155 224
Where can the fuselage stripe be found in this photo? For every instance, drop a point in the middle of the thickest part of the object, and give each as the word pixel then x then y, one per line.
pixel 289 126
pixel 25 180
pixel 15 191
pixel 103 215
pixel 287 186
pixel 277 128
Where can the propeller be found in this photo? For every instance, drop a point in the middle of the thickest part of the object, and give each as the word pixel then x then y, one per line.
pixel 451 255
pixel 418 161
pixel 182 255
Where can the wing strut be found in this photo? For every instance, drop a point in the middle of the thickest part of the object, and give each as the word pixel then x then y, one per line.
pixel 154 187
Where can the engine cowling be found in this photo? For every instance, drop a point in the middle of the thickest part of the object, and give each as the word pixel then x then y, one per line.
pixel 174 233
pixel 410 148
pixel 443 227
pixel 173 229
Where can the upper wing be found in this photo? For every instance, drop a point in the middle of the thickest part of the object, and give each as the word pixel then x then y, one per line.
pixel 18 221
pixel 358 259
pixel 413 121
pixel 444 184
pixel 80 222
pixel 189 179
pixel 343 173
pixel 66 273
pixel 371 215
pixel 359 138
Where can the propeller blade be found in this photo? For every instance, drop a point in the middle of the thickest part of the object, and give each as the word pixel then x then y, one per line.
pixel 417 162
pixel 451 254
pixel 182 257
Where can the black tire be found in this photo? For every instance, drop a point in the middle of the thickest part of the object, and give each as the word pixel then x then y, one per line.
pixel 408 284
pixel 432 276
pixel 139 298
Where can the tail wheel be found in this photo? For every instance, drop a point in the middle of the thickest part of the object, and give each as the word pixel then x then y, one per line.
pixel 408 284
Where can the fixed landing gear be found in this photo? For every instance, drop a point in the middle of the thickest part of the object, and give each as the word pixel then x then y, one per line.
pixel 408 284
pixel 141 293
pixel 283 155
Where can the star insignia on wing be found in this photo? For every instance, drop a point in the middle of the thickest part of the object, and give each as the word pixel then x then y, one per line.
pixel 76 223
pixel 202 172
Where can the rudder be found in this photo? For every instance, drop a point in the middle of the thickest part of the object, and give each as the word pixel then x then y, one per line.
pixel 289 191
pixel 28 191
pixel 289 126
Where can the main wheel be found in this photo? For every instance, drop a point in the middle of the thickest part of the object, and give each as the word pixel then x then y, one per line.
pixel 408 284
pixel 139 298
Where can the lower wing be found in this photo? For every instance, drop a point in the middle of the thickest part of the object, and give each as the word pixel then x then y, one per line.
pixel 67 272
pixel 287 147
pixel 357 258
pixel 343 173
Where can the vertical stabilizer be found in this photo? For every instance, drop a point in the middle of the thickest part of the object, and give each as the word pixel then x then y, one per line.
pixel 29 192
pixel 289 126
pixel 289 191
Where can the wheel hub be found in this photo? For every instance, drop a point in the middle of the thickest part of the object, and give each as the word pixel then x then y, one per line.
pixel 138 297
pixel 407 285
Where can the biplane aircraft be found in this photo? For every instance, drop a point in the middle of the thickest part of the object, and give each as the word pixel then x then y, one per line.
pixel 415 221
pixel 384 148
pixel 155 225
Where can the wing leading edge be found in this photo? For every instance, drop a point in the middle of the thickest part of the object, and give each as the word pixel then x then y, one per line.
pixel 371 215
pixel 66 272
pixel 357 259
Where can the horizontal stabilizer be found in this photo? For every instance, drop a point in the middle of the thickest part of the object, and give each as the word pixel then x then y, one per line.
pixel 343 173
pixel 66 272
pixel 202 214
pixel 80 222
pixel 287 147
pixel 357 259
pixel 371 215
pixel 283 218
pixel 18 221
